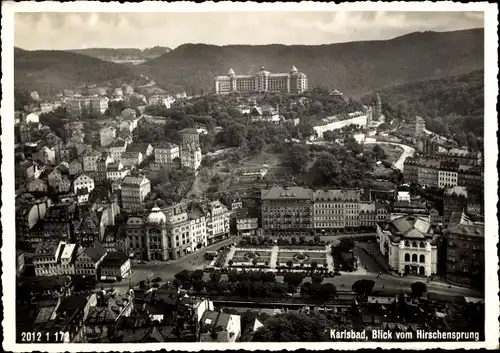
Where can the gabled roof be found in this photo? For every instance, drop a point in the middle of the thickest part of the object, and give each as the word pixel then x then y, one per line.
pixel 95 252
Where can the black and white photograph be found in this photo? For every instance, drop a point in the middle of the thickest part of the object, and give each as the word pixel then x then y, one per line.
pixel 273 176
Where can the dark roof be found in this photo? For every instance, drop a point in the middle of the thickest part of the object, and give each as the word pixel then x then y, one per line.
pixel 72 302
pixel 143 147
pixel 115 258
pixel 96 251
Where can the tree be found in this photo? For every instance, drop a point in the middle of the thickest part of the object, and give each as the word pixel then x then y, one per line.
pixel 298 157
pixel 379 152
pixel 215 276
pixel 183 276
pixel 289 263
pixel 302 239
pixel 314 265
pixel 230 262
pixel 294 240
pixel 293 278
pixel 317 238
pixel 268 277
pixel 363 286
pixel 197 275
pixel 235 135
pixel 254 262
pixel 315 278
pixel 418 288
pixel 198 285
pixel 327 291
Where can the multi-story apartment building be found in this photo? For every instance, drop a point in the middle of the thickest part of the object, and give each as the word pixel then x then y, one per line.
pixel 90 161
pixel 428 172
pixel 287 211
pixel 459 156
pixel 88 259
pixel 116 264
pixel 117 148
pixel 83 181
pixel 131 159
pixel 448 174
pixel 246 223
pixel 190 151
pixel 470 176
pixel 217 219
pixel 133 193
pixel 454 200
pixel 116 171
pixel 98 105
pixel 66 262
pixel 166 153
pixel 45 258
pixel 465 261
pixel 333 208
pixel 102 163
pixel 262 81
pixel 54 258
pixel 28 214
pixel 410 244
pixel 58 221
pixel 107 135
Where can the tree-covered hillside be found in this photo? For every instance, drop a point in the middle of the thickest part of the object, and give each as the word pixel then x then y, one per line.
pixel 356 68
pixel 51 71
pixel 451 106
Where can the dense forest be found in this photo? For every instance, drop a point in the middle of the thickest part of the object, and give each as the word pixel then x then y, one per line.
pixel 452 106
pixel 356 68
pixel 51 71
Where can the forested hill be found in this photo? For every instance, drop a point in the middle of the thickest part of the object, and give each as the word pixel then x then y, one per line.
pixel 123 53
pixel 356 68
pixel 450 105
pixel 51 71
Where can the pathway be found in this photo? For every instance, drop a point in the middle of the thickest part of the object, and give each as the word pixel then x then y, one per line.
pixel 229 256
pixel 274 257
pixel 407 152
pixel 329 258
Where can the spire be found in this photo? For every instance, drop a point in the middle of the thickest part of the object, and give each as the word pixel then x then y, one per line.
pixel 294 69
pixel 231 72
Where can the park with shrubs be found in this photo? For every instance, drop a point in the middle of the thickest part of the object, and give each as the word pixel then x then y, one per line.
pixel 281 256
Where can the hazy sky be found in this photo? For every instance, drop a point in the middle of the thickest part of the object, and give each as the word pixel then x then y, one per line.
pixel 49 30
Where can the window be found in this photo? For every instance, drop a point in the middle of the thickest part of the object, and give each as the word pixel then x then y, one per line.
pixel 407 257
pixel 414 258
pixel 422 258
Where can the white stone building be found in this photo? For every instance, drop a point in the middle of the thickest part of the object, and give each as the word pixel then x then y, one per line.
pixel 409 243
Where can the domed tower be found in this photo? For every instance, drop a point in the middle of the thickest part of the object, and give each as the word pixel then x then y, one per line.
pixel 157 216
pixel 156 233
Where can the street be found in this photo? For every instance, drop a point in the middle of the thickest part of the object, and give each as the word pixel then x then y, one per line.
pixel 167 270
pixel 371 269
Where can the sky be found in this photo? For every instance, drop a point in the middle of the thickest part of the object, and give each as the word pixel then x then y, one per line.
pixel 66 30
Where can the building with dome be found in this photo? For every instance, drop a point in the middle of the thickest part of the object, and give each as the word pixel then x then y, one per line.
pixel 409 242
pixel 262 81
pixel 165 234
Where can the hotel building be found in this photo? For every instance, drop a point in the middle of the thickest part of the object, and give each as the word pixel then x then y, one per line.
pixel 262 81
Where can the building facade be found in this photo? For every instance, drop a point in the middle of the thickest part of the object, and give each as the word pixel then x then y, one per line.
pixel 287 211
pixel 133 193
pixel 262 81
pixel 217 222
pixel 465 261
pixel 190 151
pixel 409 242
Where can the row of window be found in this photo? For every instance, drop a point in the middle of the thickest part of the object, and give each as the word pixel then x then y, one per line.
pixel 414 258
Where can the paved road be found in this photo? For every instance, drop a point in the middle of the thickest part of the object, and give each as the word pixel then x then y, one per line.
pixel 167 270
pixel 407 152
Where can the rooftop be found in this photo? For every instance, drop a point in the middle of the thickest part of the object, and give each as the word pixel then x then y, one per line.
pixel 278 192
